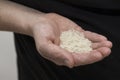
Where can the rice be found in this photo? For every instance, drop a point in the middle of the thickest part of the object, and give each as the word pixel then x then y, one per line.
pixel 75 41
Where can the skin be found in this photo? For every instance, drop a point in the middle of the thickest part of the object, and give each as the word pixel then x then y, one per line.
pixel 46 28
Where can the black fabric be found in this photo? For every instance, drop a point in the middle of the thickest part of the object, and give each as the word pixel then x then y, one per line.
pixel 101 16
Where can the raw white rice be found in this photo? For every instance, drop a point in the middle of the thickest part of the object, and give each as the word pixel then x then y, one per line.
pixel 75 41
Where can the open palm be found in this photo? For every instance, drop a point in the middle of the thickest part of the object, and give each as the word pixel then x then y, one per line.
pixel 47 40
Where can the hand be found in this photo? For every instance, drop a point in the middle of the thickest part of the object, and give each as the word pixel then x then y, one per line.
pixel 101 49
pixel 47 32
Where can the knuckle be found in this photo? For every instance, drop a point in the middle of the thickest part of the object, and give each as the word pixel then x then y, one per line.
pixel 103 37
pixel 88 32
pixel 69 63
pixel 58 56
pixel 57 63
pixel 98 56
pixel 105 51
pixel 95 45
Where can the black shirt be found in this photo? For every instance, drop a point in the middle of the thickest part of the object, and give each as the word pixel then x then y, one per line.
pixel 101 16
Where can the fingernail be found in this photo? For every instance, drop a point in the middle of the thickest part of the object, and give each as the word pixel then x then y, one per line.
pixel 66 61
pixel 68 64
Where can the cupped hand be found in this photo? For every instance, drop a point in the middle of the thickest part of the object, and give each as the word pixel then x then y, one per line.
pixel 101 49
pixel 46 33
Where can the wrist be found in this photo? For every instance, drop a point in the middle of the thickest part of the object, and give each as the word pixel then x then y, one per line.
pixel 39 21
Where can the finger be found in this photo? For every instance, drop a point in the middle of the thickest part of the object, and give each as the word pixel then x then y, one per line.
pixel 102 44
pixel 57 55
pixel 52 52
pixel 94 36
pixel 87 58
pixel 104 51
pixel 78 28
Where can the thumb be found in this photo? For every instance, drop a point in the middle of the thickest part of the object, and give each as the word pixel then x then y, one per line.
pixel 55 53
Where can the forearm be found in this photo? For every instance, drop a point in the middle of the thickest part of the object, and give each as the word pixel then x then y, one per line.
pixel 17 18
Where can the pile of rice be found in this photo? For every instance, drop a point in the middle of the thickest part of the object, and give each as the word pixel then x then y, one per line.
pixel 75 41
